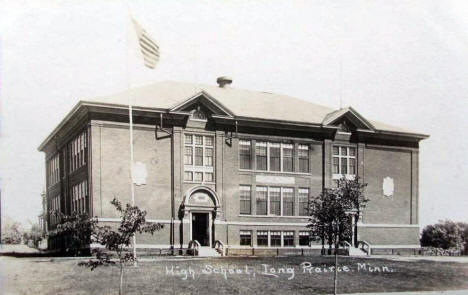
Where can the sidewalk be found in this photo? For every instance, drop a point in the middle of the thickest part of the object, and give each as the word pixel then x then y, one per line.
pixel 453 292
pixel 461 259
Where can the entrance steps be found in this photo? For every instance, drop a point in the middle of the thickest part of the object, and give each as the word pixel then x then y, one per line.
pixel 208 252
pixel 356 252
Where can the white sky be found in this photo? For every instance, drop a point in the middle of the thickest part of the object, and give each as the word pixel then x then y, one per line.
pixel 404 63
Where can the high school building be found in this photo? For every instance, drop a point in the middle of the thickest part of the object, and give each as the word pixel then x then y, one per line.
pixel 215 163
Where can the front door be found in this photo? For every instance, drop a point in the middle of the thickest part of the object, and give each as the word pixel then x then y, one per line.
pixel 200 228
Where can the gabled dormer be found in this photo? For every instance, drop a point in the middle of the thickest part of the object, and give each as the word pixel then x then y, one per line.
pixel 201 107
pixel 347 120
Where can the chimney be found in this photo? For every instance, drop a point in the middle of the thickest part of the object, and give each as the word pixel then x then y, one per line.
pixel 224 81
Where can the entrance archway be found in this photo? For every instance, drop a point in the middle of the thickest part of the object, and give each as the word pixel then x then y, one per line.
pixel 201 207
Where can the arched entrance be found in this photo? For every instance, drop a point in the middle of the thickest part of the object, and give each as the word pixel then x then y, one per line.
pixel 201 208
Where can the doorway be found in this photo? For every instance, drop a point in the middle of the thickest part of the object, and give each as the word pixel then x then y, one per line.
pixel 200 228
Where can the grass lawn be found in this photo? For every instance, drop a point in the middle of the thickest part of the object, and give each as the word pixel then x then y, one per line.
pixel 230 276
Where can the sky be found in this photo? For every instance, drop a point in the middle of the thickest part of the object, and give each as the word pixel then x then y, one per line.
pixel 404 63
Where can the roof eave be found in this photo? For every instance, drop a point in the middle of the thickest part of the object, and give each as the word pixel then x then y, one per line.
pixel 70 114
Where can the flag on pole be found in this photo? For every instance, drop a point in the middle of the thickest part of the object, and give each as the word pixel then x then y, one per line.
pixel 148 47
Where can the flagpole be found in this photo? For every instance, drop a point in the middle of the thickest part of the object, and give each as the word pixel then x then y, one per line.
pixel 130 119
pixel 150 53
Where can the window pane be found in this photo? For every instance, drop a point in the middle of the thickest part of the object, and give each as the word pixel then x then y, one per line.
pixel 303 154
pixel 352 166
pixel 288 158
pixel 198 140
pixel 244 154
pixel 198 156
pixel 275 154
pixel 275 239
pixel 209 157
pixel 209 141
pixel 288 202
pixel 188 139
pixel 303 238
pixel 352 151
pixel 261 155
pixel 303 201
pixel 275 201
pixel 344 151
pixel 262 238
pixel 209 177
pixel 188 157
pixel 336 165
pixel 245 202
pixel 198 176
pixel 188 176
pixel 344 166
pixel 245 238
pixel 336 150
pixel 288 238
pixel 261 200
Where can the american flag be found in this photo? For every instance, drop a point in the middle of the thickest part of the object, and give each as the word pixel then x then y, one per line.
pixel 149 48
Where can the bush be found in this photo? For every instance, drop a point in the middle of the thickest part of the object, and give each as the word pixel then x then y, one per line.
pixel 34 236
pixel 11 233
pixel 445 234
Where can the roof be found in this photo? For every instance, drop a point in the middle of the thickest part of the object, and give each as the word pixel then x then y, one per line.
pixel 242 103
pixel 169 95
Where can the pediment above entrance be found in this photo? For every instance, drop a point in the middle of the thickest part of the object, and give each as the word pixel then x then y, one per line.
pixel 201 199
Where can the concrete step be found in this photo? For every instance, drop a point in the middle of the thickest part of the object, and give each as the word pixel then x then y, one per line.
pixel 208 252
pixel 356 252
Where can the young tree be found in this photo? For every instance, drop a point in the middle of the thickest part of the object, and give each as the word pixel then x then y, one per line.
pixel 117 242
pixel 330 215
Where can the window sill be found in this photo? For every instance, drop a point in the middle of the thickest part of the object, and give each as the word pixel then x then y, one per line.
pixel 275 172
pixel 347 176
pixel 273 216
pixel 199 182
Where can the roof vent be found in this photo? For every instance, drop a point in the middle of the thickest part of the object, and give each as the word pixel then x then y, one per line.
pixel 224 81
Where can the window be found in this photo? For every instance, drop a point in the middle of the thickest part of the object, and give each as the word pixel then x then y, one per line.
pixel 288 158
pixel 78 193
pixel 344 160
pixel 209 177
pixel 53 170
pixel 261 198
pixel 188 175
pixel 275 200
pixel 303 201
pixel 246 238
pixel 245 199
pixel 288 201
pixel 198 177
pixel 209 157
pixel 275 156
pixel 303 155
pixel 197 114
pixel 288 238
pixel 54 209
pixel 262 238
pixel 198 158
pixel 275 239
pixel 304 239
pixel 77 151
pixel 188 155
pixel 245 154
pixel 261 155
